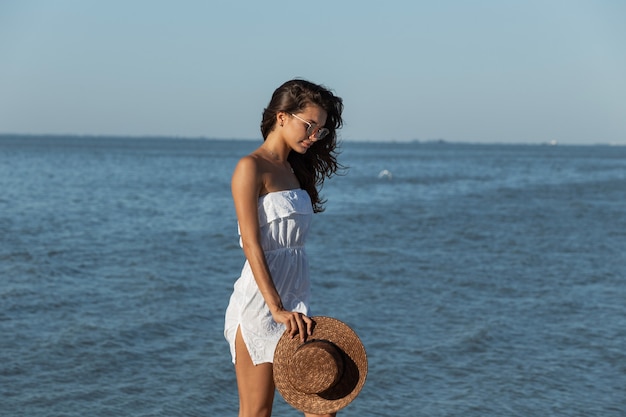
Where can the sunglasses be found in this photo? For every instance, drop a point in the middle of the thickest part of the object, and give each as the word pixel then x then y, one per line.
pixel 312 131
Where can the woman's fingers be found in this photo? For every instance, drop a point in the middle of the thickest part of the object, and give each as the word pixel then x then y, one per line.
pixel 302 327
pixel 297 323
pixel 309 324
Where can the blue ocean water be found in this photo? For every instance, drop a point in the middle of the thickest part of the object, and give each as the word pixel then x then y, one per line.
pixel 484 280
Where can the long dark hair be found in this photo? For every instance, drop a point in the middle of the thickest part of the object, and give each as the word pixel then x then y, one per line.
pixel 320 160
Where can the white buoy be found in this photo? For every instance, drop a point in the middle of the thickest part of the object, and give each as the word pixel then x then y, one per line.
pixel 385 174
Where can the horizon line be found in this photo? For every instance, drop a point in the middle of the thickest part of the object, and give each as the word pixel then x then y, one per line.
pixel 352 140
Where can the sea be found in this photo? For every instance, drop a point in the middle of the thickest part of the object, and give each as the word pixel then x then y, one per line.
pixel 482 279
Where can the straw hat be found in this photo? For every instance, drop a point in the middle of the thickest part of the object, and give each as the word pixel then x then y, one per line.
pixel 323 374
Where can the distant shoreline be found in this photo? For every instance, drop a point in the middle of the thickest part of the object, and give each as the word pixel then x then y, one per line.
pixel 5 136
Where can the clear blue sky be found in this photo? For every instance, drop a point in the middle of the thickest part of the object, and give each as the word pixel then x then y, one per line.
pixel 471 71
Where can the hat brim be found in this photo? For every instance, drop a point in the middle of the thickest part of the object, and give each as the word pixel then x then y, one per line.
pixel 346 389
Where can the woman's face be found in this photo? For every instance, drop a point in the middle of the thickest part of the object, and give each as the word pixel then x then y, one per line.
pixel 303 127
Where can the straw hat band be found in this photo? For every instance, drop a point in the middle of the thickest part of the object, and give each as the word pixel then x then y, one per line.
pixel 316 366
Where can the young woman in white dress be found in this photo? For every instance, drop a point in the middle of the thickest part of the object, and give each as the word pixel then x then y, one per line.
pixel 275 191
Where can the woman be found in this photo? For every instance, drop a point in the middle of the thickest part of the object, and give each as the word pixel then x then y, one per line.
pixel 276 191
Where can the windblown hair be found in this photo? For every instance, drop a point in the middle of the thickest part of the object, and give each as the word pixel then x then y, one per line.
pixel 320 160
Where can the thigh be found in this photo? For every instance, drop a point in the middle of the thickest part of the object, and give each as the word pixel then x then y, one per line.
pixel 254 382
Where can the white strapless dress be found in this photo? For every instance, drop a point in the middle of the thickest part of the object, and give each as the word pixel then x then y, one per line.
pixel 284 219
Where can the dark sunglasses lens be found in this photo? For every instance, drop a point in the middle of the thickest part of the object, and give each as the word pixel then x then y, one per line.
pixel 321 134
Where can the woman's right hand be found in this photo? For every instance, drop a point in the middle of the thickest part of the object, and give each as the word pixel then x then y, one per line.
pixel 295 323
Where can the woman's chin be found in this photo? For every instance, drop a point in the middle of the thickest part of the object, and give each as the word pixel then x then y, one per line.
pixel 302 148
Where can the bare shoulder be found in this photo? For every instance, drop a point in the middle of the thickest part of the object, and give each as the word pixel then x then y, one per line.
pixel 248 163
pixel 248 173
